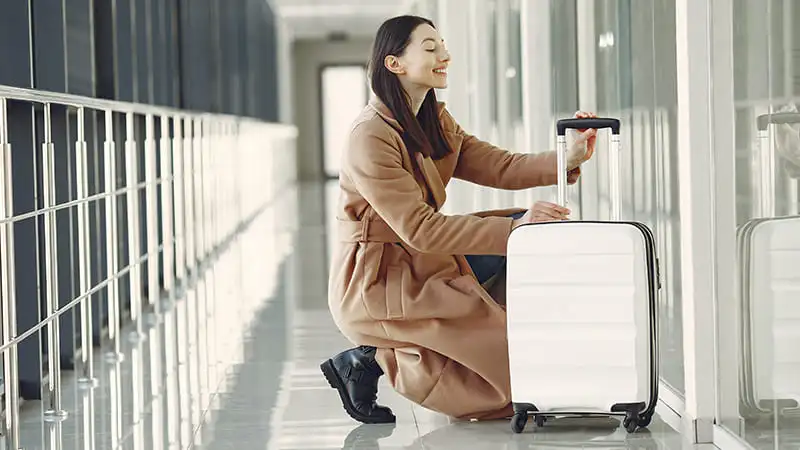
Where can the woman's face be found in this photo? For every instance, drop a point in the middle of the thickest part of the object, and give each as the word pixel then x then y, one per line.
pixel 424 63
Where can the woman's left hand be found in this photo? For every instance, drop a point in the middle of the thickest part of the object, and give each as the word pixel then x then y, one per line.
pixel 583 148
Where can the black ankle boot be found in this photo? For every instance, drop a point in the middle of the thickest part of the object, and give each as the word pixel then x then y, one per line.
pixel 354 373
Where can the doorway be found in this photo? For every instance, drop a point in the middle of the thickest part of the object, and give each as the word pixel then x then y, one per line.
pixel 344 93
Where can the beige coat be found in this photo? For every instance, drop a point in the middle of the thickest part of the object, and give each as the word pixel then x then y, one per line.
pixel 398 281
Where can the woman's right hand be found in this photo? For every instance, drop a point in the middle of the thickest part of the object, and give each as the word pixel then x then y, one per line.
pixel 542 212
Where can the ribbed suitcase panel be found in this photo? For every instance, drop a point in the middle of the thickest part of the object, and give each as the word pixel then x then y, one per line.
pixel 578 316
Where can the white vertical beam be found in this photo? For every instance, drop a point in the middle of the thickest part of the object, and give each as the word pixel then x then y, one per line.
pixel 728 342
pixel 480 37
pixel 696 213
pixel 453 25
pixel 587 101
pixel 537 104
pixel 503 199
pixel 479 105
pixel 502 88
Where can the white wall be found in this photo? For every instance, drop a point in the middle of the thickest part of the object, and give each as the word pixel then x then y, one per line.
pixel 309 57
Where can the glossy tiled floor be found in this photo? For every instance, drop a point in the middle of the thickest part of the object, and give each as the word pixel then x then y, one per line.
pixel 244 375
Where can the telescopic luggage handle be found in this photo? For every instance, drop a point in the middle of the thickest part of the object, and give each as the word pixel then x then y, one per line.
pixel 765 206
pixel 765 120
pixel 582 123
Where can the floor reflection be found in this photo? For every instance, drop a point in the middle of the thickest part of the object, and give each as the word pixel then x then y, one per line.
pixel 233 364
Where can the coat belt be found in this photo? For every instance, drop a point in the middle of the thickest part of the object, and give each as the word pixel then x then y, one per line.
pixel 366 231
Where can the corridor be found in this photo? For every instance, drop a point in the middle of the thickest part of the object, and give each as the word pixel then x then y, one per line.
pixel 168 192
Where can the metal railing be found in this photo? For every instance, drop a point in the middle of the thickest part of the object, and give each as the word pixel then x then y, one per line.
pixel 205 177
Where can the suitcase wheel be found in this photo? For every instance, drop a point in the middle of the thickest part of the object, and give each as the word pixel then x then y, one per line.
pixel 630 424
pixel 518 422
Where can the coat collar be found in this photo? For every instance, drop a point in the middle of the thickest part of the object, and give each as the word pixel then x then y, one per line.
pixel 383 111
pixel 429 171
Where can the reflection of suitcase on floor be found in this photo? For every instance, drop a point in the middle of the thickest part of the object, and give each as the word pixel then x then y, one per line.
pixel 769 285
pixel 582 311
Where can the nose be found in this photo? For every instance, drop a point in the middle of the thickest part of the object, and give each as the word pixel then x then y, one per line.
pixel 444 56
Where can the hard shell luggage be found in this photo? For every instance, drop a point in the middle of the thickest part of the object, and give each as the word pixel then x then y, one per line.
pixel 769 284
pixel 582 310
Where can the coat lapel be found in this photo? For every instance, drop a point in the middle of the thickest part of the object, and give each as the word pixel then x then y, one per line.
pixel 433 179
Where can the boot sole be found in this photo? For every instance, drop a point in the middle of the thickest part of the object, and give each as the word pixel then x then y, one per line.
pixel 337 383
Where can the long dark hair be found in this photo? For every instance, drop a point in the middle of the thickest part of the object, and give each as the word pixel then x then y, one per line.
pixel 422 133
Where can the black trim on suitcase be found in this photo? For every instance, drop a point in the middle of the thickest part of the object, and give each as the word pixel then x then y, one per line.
pixel 636 414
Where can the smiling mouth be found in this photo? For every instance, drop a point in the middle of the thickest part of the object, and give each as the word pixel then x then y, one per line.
pixel 440 71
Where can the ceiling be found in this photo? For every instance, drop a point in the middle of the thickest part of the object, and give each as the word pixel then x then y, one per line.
pixel 309 19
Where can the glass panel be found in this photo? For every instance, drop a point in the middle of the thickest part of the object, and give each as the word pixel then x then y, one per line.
pixel 493 65
pixel 564 77
pixel 514 73
pixel 636 82
pixel 344 95
pixel 767 166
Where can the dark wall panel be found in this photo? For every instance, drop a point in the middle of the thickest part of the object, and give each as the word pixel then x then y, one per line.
pixel 80 56
pixel 197 88
pixel 48 46
pixel 26 254
pixel 140 26
pixel 269 73
pixel 104 49
pixel 124 51
pixel 15 41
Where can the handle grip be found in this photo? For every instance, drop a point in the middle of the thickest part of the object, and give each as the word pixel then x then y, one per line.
pixel 598 122
pixel 614 155
pixel 765 120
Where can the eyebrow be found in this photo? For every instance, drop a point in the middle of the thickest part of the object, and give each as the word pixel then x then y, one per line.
pixel 430 39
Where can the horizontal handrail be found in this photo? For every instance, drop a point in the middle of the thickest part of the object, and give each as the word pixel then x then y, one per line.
pixel 78 101
pixel 89 199
pixel 119 274
pixel 58 312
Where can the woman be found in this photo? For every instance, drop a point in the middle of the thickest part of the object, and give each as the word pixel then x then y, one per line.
pixel 400 285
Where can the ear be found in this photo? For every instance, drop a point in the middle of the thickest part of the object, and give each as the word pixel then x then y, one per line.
pixel 392 64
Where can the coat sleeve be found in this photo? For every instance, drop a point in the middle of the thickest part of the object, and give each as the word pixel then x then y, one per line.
pixel 482 163
pixel 375 165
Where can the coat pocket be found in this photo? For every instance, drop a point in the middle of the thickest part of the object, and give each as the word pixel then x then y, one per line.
pixel 394 293
pixel 384 299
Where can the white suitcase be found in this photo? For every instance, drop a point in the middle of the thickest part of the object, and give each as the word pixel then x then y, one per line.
pixel 769 282
pixel 587 344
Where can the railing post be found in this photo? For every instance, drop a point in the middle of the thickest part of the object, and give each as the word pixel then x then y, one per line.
pixel 8 296
pixel 87 378
pixel 134 240
pixel 151 206
pixel 167 212
pixel 188 195
pixel 180 203
pixel 112 241
pixel 55 412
